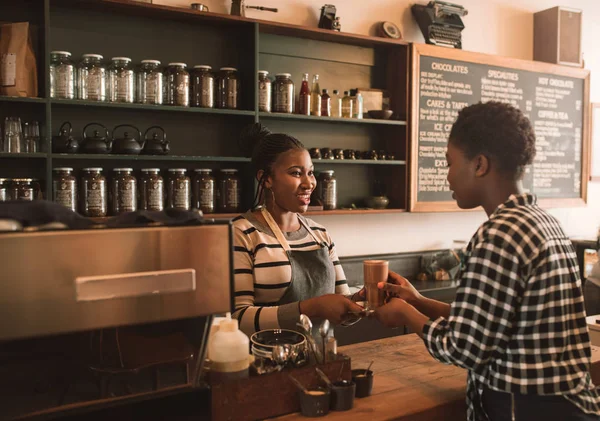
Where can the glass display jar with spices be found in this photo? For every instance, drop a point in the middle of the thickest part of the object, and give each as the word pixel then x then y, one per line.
pixel 328 189
pixel 228 88
pixel 178 85
pixel 62 75
pixel 4 182
pixel 64 188
pixel 229 191
pixel 121 80
pixel 283 93
pixel 203 86
pixel 123 191
pixel 152 190
pixel 178 189
pixel 22 189
pixel 264 91
pixel 149 85
pixel 92 194
pixel 91 78
pixel 204 193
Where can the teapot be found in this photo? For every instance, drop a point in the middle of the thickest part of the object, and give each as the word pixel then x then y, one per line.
pixel 156 145
pixel 128 145
pixel 64 142
pixel 96 144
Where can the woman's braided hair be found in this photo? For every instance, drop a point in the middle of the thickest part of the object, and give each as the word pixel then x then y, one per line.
pixel 257 142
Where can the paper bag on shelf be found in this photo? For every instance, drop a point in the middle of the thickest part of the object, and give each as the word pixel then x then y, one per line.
pixel 18 69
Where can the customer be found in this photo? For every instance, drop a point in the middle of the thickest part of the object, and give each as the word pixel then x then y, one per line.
pixel 285 264
pixel 518 322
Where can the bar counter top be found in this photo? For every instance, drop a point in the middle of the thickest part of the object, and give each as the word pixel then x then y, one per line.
pixel 409 384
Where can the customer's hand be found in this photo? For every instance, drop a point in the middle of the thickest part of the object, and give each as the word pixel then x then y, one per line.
pixel 393 313
pixel 399 287
pixel 334 307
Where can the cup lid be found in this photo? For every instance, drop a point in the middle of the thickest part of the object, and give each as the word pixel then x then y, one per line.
pixel 150 61
pixel 63 53
pixel 63 169
pixel 98 56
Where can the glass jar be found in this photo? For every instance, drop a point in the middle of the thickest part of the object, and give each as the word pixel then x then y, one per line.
pixel 37 189
pixel 92 195
pixel 64 188
pixel 283 93
pixel 229 191
pixel 4 189
pixel 22 189
pixel 121 80
pixel 178 85
pixel 264 91
pixel 91 78
pixel 228 88
pixel 203 86
pixel 152 190
pixel 62 75
pixel 328 189
pixel 204 194
pixel 150 83
pixel 178 190
pixel 123 191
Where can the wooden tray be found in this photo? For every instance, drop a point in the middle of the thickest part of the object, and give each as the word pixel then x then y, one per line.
pixel 270 395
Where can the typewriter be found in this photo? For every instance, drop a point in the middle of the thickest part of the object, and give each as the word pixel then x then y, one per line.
pixel 440 23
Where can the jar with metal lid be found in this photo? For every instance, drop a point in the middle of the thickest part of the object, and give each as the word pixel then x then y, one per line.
pixel 121 80
pixel 123 191
pixel 22 189
pixel 228 88
pixel 4 182
pixel 92 193
pixel 178 190
pixel 204 193
pixel 178 85
pixel 203 86
pixel 264 91
pixel 283 93
pixel 328 189
pixel 149 86
pixel 91 78
pixel 229 191
pixel 64 188
pixel 62 75
pixel 37 189
pixel 152 190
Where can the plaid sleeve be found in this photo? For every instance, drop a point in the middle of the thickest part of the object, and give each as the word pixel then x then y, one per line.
pixel 483 312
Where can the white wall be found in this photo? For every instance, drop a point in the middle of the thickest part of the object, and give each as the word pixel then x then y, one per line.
pixel 501 27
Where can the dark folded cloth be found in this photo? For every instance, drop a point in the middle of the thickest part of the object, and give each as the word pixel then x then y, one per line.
pixel 42 212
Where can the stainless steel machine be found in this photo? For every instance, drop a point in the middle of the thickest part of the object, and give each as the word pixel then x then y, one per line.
pixel 108 319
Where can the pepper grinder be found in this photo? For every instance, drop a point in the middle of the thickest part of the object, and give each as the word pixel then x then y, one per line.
pixel 238 8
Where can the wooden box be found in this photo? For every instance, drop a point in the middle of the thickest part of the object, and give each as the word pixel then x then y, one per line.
pixel 270 395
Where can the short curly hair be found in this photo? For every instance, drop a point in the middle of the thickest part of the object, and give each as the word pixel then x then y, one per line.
pixel 497 130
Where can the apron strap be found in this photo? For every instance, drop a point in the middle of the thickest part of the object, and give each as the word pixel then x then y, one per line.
pixel 279 234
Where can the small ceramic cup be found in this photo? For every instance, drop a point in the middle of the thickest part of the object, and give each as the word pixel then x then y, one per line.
pixel 364 382
pixel 342 395
pixel 315 402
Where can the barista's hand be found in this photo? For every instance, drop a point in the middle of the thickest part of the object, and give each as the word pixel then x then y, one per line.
pixel 399 287
pixel 334 307
pixel 393 313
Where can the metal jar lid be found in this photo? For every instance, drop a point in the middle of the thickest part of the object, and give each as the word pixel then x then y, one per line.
pixel 63 169
pixel 157 62
pixel 122 169
pixel 127 59
pixel 283 75
pixel 179 170
pixel 202 66
pixel 204 170
pixel 61 53
pixel 228 69
pixel 98 56
pixel 178 64
pixel 232 170
pixel 150 169
pixel 92 169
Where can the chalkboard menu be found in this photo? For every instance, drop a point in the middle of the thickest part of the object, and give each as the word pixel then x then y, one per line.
pixel 554 99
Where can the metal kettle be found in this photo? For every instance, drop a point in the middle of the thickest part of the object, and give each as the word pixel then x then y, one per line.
pixel 96 144
pixel 156 145
pixel 64 142
pixel 128 145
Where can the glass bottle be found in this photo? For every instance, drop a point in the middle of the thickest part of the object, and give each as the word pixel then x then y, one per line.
pixel 150 83
pixel 304 97
pixel 346 105
pixel 325 104
pixel 91 78
pixel 121 80
pixel 228 88
pixel 92 194
pixel 62 75
pixel 283 93
pixel 203 86
pixel 357 104
pixel 178 85
pixel 315 97
pixel 64 188
pixel 204 192
pixel 152 194
pixel 264 91
pixel 179 189
pixel 336 104
pixel 123 191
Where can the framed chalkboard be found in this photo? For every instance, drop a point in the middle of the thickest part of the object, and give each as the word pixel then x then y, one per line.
pixel 555 98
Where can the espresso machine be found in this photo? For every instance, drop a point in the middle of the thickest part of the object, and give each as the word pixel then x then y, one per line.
pixel 110 323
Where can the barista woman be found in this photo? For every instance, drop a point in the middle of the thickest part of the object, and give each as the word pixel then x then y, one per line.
pixel 285 264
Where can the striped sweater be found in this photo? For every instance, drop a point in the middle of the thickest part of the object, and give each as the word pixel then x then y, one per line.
pixel 262 273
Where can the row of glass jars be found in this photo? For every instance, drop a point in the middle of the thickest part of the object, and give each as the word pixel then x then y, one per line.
pixel 93 196
pixel 92 80
pixel 20 189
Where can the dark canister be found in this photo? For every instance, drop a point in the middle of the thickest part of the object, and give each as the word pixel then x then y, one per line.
pixel 228 87
pixel 4 189
pixel 203 86
pixel 64 188
pixel 92 196
pixel 178 189
pixel 264 91
pixel 204 193
pixel 314 402
pixel 152 190
pixel 229 191
pixel 178 85
pixel 342 395
pixel 283 93
pixel 22 189
pixel 364 382
pixel 328 189
pixel 123 191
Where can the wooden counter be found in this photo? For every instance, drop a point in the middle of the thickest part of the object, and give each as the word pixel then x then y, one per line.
pixel 409 384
